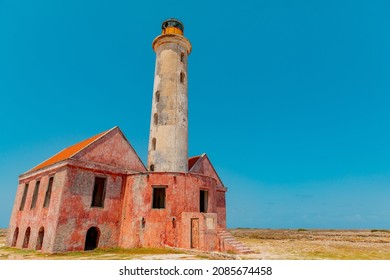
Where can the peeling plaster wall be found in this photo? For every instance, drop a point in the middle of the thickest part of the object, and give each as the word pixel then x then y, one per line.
pixel 114 150
pixel 182 195
pixel 204 166
pixel 77 215
pixel 171 109
pixel 39 216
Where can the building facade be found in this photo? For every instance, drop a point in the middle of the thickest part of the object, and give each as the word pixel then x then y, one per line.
pixel 98 193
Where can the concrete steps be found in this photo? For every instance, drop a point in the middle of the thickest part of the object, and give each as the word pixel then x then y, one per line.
pixel 228 242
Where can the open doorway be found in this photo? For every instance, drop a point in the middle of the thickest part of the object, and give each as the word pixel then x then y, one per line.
pixel 41 234
pixel 92 239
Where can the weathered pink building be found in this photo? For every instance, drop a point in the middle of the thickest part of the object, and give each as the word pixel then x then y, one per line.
pixel 98 193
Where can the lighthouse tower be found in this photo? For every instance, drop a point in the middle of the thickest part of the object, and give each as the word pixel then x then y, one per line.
pixel 168 140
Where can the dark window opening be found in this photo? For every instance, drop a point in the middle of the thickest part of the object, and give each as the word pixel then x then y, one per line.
pixel 158 197
pixel 99 192
pixel 153 144
pixel 157 96
pixel 203 199
pixel 41 234
pixel 92 239
pixel 182 76
pixel 35 195
pixel 182 57
pixel 143 223
pixel 48 193
pixel 15 238
pixel 155 119
pixel 21 208
pixel 173 222
pixel 26 237
pixel 151 167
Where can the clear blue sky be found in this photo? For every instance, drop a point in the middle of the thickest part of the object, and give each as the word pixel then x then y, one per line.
pixel 290 99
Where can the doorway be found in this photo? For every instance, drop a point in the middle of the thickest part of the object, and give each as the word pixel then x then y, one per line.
pixel 92 239
pixel 195 233
pixel 41 233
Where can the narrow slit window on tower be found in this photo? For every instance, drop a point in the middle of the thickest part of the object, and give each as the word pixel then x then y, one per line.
pixel 158 197
pixel 35 195
pixel 99 192
pixel 151 167
pixel 157 96
pixel 203 201
pixel 182 57
pixel 155 119
pixel 23 202
pixel 48 193
pixel 182 77
pixel 154 144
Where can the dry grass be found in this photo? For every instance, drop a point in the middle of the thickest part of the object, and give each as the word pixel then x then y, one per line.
pixel 305 244
pixel 269 244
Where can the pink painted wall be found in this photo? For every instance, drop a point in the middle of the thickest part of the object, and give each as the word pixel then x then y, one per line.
pixel 39 216
pixel 77 216
pixel 112 149
pixel 182 196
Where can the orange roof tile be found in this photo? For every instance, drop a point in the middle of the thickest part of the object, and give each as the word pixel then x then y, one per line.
pixel 68 152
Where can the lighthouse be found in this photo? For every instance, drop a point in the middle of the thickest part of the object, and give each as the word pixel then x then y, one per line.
pixel 168 138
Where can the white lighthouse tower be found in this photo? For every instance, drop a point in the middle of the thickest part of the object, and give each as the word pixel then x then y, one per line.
pixel 168 140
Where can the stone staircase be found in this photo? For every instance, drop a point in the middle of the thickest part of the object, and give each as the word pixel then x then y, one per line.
pixel 229 243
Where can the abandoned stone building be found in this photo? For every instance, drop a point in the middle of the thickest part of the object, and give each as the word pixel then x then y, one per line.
pixel 98 193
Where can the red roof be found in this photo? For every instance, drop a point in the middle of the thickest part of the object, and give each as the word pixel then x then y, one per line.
pixel 68 152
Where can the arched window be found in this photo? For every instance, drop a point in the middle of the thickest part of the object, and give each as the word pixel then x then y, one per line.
pixel 155 119
pixel 15 238
pixel 92 239
pixel 154 144
pixel 182 57
pixel 182 77
pixel 151 167
pixel 41 234
pixel 26 237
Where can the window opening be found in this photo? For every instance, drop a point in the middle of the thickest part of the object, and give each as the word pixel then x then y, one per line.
pixel 23 202
pixel 157 96
pixel 182 76
pixel 35 195
pixel 154 144
pixel 99 192
pixel 48 193
pixel 203 199
pixel 158 197
pixel 173 222
pixel 155 119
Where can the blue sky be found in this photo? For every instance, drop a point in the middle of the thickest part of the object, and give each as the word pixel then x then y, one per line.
pixel 290 99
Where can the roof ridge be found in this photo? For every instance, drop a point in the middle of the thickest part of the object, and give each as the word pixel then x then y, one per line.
pixel 70 151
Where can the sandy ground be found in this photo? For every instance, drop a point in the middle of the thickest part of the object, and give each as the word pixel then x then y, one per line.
pixel 316 244
pixel 266 244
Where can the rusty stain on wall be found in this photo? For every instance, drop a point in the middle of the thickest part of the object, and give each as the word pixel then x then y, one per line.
pixel 127 215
